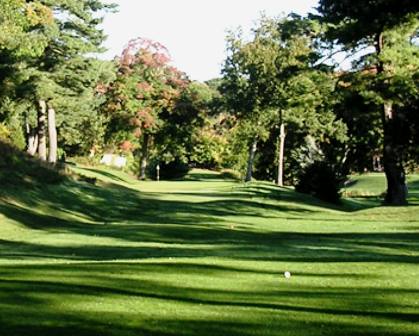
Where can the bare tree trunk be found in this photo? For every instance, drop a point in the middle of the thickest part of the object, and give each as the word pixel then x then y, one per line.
pixel 52 133
pixel 282 135
pixel 252 152
pixel 393 161
pixel 392 154
pixel 42 144
pixel 144 154
pixel 32 139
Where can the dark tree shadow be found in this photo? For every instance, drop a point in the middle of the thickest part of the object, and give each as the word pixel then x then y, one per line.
pixel 43 299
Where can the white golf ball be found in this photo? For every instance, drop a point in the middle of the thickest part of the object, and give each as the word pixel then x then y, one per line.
pixel 287 274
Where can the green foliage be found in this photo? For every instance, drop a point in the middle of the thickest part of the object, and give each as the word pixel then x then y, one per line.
pixel 274 80
pixel 384 74
pixel 237 151
pixel 209 143
pixel 353 23
pixel 11 122
pixel 19 21
pixel 182 124
pixel 209 150
pixel 319 179
pixel 12 132
pixel 61 155
pixel 44 55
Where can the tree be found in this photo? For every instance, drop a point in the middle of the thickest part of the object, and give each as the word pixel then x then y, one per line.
pixel 64 76
pixel 146 87
pixel 388 72
pixel 247 86
pixel 17 20
pixel 182 124
pixel 19 39
pixel 273 80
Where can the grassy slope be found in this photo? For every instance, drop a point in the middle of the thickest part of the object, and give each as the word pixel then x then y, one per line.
pixel 204 257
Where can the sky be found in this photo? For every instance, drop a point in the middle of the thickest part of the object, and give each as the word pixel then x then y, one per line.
pixel 193 31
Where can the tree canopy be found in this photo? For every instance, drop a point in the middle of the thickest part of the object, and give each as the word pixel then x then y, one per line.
pixel 280 111
pixel 150 97
pixel 386 75
pixel 273 80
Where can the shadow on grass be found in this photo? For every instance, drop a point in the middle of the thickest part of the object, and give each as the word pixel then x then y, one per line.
pixel 106 174
pixel 203 176
pixel 95 295
pixel 186 242
pixel 190 229
pixel 125 299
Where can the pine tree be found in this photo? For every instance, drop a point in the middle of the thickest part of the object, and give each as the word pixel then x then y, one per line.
pixel 64 76
pixel 387 73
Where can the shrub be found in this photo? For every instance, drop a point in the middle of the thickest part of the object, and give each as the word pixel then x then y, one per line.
pixel 209 150
pixel 319 179
pixel 175 169
pixel 231 175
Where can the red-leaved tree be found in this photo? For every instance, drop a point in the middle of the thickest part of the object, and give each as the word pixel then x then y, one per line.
pixel 146 85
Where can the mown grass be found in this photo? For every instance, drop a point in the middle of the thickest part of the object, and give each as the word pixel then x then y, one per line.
pixel 204 256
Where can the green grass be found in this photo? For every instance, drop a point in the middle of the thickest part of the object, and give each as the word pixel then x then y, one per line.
pixel 205 256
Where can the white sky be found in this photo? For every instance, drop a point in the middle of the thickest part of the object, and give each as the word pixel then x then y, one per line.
pixel 193 31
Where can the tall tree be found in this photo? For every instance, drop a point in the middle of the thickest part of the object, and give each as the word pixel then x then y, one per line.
pixel 147 86
pixel 248 72
pixel 19 39
pixel 389 29
pixel 273 80
pixel 64 74
pixel 182 122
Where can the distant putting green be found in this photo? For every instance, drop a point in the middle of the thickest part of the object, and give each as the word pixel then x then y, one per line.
pixel 206 256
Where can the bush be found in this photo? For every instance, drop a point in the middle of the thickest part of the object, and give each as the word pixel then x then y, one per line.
pixel 319 179
pixel 13 134
pixel 175 169
pixel 209 150
pixel 231 175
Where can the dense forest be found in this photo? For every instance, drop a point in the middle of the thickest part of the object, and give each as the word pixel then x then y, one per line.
pixel 305 101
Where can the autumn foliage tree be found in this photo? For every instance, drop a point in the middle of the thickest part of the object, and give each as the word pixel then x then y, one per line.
pixel 147 85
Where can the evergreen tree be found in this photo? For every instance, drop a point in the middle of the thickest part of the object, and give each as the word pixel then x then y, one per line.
pixel 387 74
pixel 19 39
pixel 63 77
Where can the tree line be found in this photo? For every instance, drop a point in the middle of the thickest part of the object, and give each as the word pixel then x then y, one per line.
pixel 284 109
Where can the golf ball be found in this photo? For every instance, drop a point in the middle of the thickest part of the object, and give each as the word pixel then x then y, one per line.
pixel 287 274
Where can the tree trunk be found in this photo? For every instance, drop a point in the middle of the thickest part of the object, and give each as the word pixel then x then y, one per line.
pixel 52 133
pixel 42 144
pixel 392 154
pixel 393 160
pixel 280 180
pixel 144 153
pixel 252 152
pixel 32 137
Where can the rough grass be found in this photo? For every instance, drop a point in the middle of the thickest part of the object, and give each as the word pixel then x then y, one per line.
pixel 204 256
